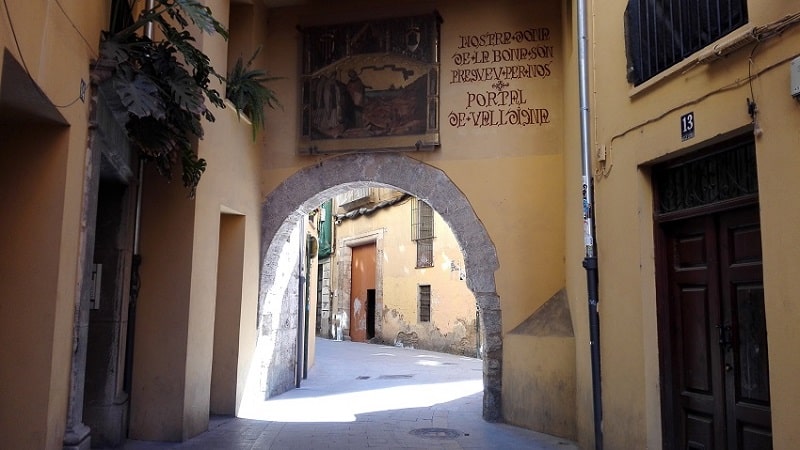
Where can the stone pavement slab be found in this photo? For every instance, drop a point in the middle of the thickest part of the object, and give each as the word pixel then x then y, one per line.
pixel 365 396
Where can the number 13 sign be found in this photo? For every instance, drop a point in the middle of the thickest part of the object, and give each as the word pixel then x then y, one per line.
pixel 687 126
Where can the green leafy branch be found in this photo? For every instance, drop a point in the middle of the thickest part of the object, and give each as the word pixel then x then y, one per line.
pixel 162 85
pixel 247 91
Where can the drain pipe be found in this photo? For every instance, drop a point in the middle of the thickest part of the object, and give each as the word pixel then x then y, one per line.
pixel 301 314
pixel 590 259
pixel 137 258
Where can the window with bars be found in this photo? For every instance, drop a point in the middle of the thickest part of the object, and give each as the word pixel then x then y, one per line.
pixel 424 302
pixel 661 33
pixel 726 173
pixel 422 232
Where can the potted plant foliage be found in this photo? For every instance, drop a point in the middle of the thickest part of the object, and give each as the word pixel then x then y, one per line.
pixel 247 92
pixel 160 86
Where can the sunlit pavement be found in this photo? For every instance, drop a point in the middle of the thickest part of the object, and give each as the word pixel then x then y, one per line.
pixel 360 396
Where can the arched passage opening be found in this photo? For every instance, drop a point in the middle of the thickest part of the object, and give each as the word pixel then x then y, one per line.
pixel 309 187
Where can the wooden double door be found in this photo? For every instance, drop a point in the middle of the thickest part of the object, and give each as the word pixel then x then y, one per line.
pixel 712 332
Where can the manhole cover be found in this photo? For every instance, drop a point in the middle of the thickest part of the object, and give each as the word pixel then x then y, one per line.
pixel 394 377
pixel 436 433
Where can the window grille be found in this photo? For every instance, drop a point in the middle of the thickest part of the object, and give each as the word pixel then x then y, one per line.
pixel 422 232
pixel 725 174
pixel 421 220
pixel 425 303
pixel 661 33
pixel 424 253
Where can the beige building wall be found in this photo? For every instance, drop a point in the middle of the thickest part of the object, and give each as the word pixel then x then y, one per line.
pixel 638 126
pixel 179 365
pixel 43 140
pixel 452 325
pixel 513 176
pixel 177 304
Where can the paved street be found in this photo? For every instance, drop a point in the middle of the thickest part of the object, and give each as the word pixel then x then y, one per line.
pixel 361 396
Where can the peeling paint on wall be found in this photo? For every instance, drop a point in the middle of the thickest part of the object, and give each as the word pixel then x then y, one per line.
pixel 459 338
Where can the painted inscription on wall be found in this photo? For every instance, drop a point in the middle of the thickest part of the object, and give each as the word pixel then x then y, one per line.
pixel 496 65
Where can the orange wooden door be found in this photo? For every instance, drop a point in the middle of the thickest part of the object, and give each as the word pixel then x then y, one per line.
pixel 362 279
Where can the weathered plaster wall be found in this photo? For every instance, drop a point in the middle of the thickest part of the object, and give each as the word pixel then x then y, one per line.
pixel 452 327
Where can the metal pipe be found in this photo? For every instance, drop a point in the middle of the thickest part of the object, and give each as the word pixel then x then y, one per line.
pixel 306 303
pixel 148 27
pixel 137 258
pixel 590 259
pixel 148 32
pixel 301 282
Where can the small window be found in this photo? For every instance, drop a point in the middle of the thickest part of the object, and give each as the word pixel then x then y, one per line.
pixel 425 303
pixel 424 253
pixel 422 232
pixel 661 33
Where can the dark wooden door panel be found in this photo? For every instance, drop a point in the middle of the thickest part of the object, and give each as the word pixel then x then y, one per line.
pixel 745 353
pixel 717 332
pixel 699 432
pixel 694 341
pixel 694 315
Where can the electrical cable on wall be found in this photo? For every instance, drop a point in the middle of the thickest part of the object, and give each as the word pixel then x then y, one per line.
pixel 25 65
pixel 728 87
pixel 757 35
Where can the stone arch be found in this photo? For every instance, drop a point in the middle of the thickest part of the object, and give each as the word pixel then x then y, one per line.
pixel 311 186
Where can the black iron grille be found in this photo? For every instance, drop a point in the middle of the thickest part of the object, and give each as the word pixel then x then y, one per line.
pixel 661 33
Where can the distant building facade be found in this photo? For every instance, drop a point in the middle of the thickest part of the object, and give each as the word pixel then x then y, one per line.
pixel 415 294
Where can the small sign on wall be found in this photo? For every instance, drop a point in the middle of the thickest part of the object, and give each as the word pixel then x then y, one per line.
pixel 687 126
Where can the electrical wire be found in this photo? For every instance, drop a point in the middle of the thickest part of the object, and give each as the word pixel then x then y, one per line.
pixel 25 65
pixel 16 42
pixel 91 48
pixel 730 86
pixel 760 34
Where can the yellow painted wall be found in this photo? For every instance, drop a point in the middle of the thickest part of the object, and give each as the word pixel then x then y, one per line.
pixel 523 183
pixel 512 176
pixel 183 237
pixel 49 193
pixel 640 125
pixel 227 314
pixel 544 399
